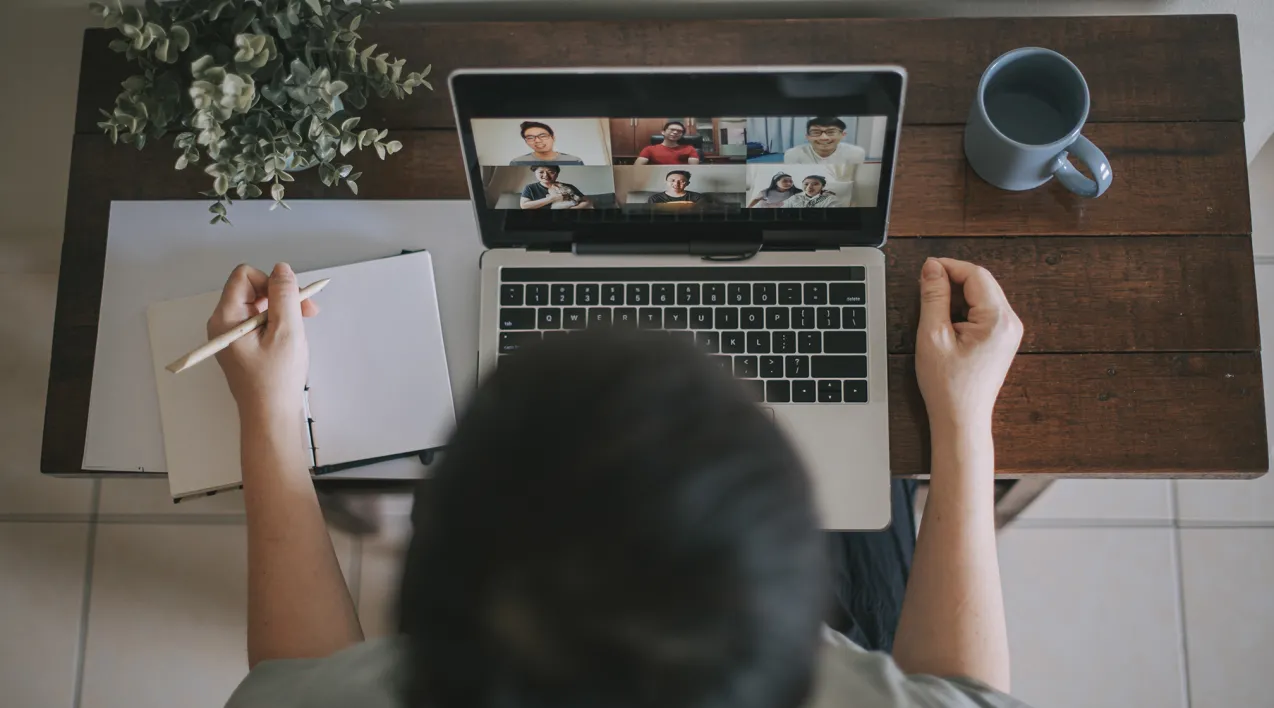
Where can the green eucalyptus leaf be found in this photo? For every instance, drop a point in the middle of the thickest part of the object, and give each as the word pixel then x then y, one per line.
pixel 243 19
pixel 98 8
pixel 345 170
pixel 316 6
pixel 348 143
pixel 276 192
pixel 221 184
pixel 217 7
pixel 118 45
pixel 284 176
pixel 393 146
pixel 182 162
pixel 353 186
pixel 337 88
pixel 353 25
pixel 380 149
pixel 180 37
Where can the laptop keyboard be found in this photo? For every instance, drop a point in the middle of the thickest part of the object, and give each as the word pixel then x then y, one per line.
pixel 794 334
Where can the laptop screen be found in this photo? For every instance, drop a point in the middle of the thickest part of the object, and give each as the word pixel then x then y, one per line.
pixel 809 149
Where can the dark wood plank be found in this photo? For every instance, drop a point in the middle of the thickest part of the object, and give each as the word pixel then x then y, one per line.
pixel 1142 68
pixel 1099 294
pixel 1157 190
pixel 1107 415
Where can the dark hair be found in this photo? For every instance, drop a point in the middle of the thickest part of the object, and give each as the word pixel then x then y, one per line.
pixel 774 185
pixel 683 173
pixel 821 179
pixel 673 122
pixel 825 121
pixel 556 170
pixel 614 524
pixel 528 124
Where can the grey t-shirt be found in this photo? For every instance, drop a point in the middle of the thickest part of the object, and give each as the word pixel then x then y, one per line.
pixel 531 159
pixel 367 675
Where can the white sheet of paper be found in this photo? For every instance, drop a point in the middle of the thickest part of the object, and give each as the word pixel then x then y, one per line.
pixel 378 380
pixel 163 250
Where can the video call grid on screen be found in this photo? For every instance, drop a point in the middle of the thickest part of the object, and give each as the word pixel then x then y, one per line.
pixel 719 163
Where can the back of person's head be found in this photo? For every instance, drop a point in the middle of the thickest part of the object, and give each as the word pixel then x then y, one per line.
pixel 614 525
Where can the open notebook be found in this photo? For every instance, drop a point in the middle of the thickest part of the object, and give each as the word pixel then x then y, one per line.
pixel 378 382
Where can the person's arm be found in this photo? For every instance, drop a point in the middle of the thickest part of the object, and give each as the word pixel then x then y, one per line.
pixel 583 203
pixel 298 603
pixel 952 622
pixel 641 160
pixel 694 160
pixel 753 202
pixel 528 203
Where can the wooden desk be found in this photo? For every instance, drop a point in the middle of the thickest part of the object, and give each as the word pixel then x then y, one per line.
pixel 1141 355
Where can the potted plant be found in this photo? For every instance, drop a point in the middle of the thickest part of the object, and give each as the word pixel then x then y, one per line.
pixel 256 89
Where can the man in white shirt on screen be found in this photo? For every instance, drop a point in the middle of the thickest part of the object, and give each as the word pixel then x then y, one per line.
pixel 824 147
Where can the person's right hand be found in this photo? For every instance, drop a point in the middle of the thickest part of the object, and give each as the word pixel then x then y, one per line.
pixel 961 365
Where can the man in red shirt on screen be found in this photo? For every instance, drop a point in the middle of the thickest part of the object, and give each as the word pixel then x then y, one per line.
pixel 669 152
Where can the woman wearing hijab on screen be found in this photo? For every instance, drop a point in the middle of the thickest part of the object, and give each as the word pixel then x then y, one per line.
pixel 773 196
pixel 813 194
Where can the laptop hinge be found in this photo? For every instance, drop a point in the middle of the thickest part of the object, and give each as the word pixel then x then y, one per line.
pixel 713 248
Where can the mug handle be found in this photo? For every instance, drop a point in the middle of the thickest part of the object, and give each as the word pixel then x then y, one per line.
pixel 1093 158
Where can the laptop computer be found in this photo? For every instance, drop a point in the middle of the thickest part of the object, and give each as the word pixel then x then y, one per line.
pixel 742 209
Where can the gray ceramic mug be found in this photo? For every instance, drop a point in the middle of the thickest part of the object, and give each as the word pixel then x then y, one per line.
pixel 1025 122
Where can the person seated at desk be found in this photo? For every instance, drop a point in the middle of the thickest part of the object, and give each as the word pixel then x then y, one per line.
pixel 813 194
pixel 548 192
pixel 669 152
pixel 540 137
pixel 676 193
pixel 773 196
pixel 824 147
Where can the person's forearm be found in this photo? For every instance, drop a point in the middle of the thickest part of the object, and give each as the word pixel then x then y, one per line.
pixel 952 620
pixel 298 603
pixel 537 203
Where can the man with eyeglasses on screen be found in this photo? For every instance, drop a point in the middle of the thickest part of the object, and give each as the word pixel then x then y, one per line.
pixel 824 147
pixel 540 138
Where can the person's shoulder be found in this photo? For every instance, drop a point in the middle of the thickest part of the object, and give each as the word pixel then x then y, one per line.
pixel 657 198
pixel 367 675
pixel 647 151
pixel 694 196
pixel 848 675
pixel 523 159
pixel 566 159
pixel 851 150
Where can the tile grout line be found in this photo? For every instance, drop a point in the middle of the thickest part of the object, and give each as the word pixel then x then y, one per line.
pixel 81 648
pixel 1181 592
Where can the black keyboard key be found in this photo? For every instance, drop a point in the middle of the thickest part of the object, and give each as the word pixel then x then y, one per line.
pixel 839 367
pixel 612 294
pixel 676 318
pixel 804 392
pixel 511 295
pixel 638 294
pixel 802 318
pixel 765 294
pixel 563 295
pixel 809 342
pixel 575 318
pixel 537 295
pixel 756 390
pixel 517 341
pixel 845 342
pixel 625 317
pixel 727 318
pixel 688 294
pixel 555 334
pixel 783 342
pixel 829 318
pixel 856 391
pixel 650 318
pixel 776 318
pixel 778 391
pixel 733 343
pixel 663 294
pixel 714 294
pixel 701 318
pixel 683 336
pixel 771 367
pixel 549 318
pixel 739 294
pixel 853 318
pixel 586 295
pixel 725 363
pixel 790 294
pixel 816 293
pixel 796 367
pixel 829 391
pixel 599 317
pixel 752 318
pixel 745 367
pixel 709 340
pixel 758 342
pixel 848 294
pixel 517 318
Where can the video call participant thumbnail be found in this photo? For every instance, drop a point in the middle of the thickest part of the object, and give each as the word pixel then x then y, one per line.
pixel 772 197
pixel 814 193
pixel 824 147
pixel 676 192
pixel 547 192
pixel 670 151
pixel 541 139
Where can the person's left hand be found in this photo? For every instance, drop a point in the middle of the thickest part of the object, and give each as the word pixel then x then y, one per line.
pixel 266 369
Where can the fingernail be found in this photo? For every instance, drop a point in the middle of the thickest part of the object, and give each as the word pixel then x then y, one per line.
pixel 932 269
pixel 281 269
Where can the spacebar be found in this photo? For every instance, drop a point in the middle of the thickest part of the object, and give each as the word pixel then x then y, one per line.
pixel 838 367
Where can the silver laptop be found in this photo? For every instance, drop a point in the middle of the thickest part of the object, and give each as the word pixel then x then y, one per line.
pixel 742 209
